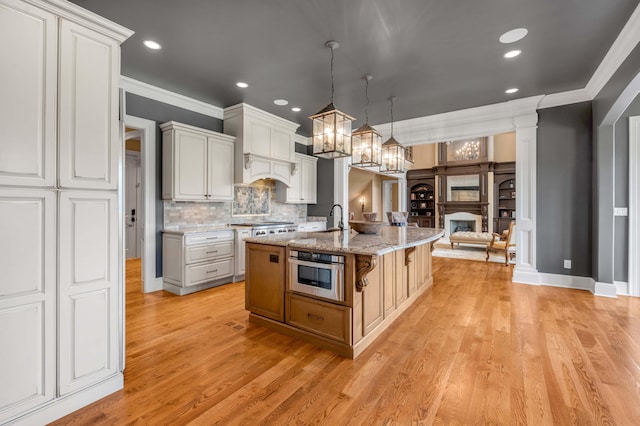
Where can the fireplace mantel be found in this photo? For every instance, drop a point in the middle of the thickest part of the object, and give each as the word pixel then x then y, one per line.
pixel 476 208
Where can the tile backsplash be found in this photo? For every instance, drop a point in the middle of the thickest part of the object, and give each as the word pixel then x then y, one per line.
pixel 249 207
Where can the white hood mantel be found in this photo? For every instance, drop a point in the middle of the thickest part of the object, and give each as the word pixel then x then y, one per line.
pixel 264 146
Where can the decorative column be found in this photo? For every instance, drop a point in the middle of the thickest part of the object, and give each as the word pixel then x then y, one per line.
pixel 526 160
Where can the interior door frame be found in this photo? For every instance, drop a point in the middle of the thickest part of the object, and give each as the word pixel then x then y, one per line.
pixel 148 169
pixel 633 277
pixel 139 194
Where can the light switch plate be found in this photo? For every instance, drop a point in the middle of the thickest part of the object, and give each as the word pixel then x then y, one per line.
pixel 620 211
pixel 567 264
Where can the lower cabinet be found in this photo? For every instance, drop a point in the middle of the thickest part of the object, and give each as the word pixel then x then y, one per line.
pixel 241 235
pixel 325 319
pixel 88 288
pixel 193 262
pixel 265 278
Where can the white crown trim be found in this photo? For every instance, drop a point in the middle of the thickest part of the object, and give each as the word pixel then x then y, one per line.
pixel 565 98
pixel 140 88
pixel 626 41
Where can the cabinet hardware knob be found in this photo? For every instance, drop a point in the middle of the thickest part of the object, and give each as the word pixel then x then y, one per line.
pixel 316 317
pixel 211 272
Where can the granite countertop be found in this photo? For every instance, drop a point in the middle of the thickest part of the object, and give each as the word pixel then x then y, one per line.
pixel 391 238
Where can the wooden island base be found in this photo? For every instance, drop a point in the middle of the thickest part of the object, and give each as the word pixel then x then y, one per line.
pixel 395 282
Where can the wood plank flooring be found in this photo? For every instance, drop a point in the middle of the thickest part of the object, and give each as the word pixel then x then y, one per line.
pixel 475 349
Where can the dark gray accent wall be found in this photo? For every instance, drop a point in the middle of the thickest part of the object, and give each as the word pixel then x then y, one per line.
pixel 325 189
pixel 159 112
pixel 621 198
pixel 564 189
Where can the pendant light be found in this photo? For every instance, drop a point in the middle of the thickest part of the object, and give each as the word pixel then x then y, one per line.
pixel 366 140
pixel 331 127
pixel 392 151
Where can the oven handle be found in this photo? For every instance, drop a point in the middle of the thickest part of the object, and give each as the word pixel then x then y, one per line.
pixel 334 266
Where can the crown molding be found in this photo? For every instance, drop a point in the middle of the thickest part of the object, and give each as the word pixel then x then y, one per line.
pixel 470 122
pixel 74 13
pixel 565 98
pixel 626 41
pixel 165 96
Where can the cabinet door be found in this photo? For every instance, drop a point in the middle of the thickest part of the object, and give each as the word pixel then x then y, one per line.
pixel 241 234
pixel 190 165
pixel 220 170
pixel 265 281
pixel 259 138
pixel 27 300
pixel 88 116
pixel 28 82
pixel 309 180
pixel 402 285
pixel 88 286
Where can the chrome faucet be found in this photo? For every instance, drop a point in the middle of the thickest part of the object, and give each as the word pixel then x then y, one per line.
pixel 340 223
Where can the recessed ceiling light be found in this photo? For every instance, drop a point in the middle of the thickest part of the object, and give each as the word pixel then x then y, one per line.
pixel 510 91
pixel 281 102
pixel 512 53
pixel 152 44
pixel 514 35
pixel 242 84
pixel 295 109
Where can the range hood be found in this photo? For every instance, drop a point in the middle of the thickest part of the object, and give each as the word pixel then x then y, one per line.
pixel 264 144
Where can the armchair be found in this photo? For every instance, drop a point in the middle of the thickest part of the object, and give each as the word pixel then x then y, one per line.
pixel 502 242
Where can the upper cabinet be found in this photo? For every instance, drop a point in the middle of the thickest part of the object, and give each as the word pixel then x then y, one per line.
pixel 88 114
pixel 303 188
pixel 28 87
pixel 264 144
pixel 197 164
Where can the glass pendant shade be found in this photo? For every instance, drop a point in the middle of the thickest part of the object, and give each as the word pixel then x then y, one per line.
pixel 367 146
pixel 331 133
pixel 392 157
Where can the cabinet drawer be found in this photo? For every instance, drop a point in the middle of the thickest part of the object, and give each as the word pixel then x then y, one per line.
pixel 203 272
pixel 325 319
pixel 210 251
pixel 208 237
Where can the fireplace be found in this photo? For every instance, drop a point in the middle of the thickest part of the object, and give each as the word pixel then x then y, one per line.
pixel 462 221
pixel 462 225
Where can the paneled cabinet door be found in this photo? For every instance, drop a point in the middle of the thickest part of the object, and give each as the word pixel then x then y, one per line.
pixel 28 83
pixel 88 116
pixel 309 180
pixel 190 163
pixel 220 171
pixel 88 287
pixel 27 300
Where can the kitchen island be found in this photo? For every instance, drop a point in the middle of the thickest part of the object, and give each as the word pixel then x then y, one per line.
pixel 339 290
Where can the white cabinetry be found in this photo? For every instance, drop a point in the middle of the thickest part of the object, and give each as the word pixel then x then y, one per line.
pixel 193 262
pixel 61 308
pixel 303 185
pixel 197 164
pixel 241 235
pixel 264 144
pixel 312 227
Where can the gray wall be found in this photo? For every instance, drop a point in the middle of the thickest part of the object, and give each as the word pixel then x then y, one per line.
pixel 621 197
pixel 325 189
pixel 610 252
pixel 564 189
pixel 159 112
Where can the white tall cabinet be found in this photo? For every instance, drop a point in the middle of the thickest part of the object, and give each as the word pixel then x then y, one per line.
pixel 61 305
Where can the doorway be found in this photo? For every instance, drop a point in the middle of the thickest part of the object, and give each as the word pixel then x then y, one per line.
pixel 145 213
pixel 132 199
pixel 390 200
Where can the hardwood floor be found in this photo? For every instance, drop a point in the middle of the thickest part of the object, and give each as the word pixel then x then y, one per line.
pixel 475 349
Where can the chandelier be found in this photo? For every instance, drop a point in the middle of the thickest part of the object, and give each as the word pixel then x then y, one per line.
pixel 331 127
pixel 392 151
pixel 366 140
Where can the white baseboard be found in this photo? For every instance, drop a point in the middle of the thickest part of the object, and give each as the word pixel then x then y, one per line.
pixel 523 275
pixel 604 289
pixel 567 281
pixel 622 288
pixel 68 404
